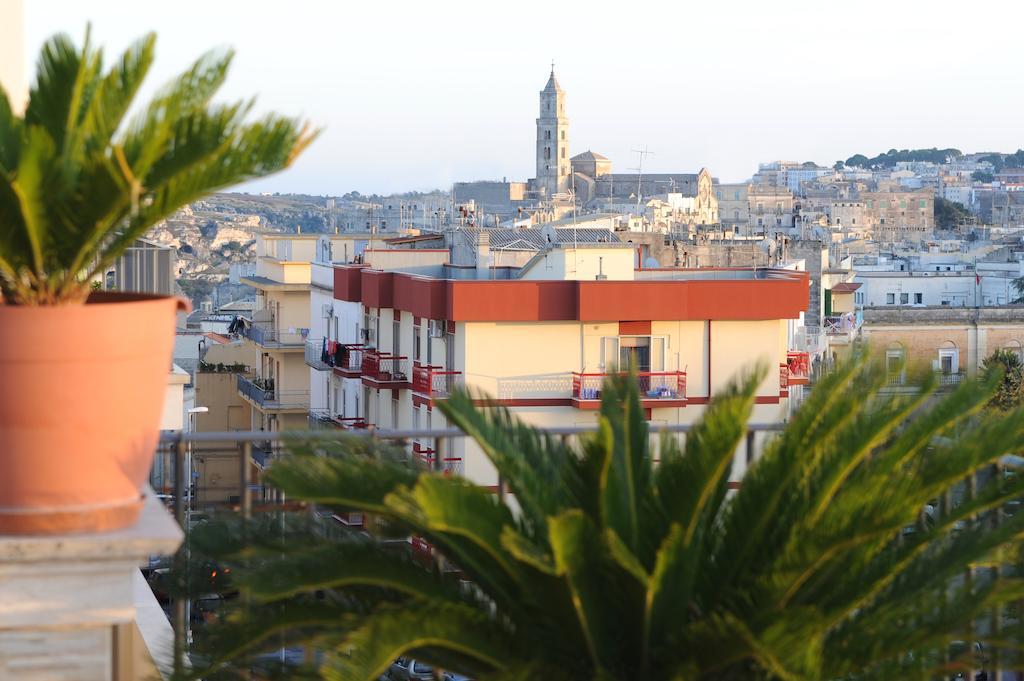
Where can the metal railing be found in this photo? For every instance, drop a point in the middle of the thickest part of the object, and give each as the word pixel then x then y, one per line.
pixel 267 335
pixel 203 473
pixel 434 381
pixel 316 355
pixel 385 368
pixel 265 394
pixel 844 324
pixel 799 367
pixel 653 385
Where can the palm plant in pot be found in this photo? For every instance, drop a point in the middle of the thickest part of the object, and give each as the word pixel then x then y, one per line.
pixel 80 181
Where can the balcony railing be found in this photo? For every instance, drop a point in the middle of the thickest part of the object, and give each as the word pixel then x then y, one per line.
pixel 320 419
pixel 252 494
pixel 434 382
pixel 654 385
pixel 267 335
pixel 352 423
pixel 348 359
pixel 951 379
pixel 845 324
pixel 264 393
pixel 798 365
pixel 317 355
pixel 383 368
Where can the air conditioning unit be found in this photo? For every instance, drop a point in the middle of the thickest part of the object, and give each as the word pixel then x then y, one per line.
pixel 327 310
pixel 436 328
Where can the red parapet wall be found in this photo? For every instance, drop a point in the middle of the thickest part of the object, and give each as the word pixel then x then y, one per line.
pixel 780 295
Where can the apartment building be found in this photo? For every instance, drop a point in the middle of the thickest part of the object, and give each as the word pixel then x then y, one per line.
pixel 540 339
pixel 278 387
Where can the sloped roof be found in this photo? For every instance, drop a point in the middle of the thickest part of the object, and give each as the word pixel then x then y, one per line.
pixel 589 156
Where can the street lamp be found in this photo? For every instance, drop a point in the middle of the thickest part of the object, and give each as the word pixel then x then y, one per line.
pixel 188 518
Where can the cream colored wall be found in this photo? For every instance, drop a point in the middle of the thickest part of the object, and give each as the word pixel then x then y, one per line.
pixel 842 302
pixel 284 271
pixel 293 310
pixel 407 257
pixel 218 392
pixel 738 346
pixel 523 359
pixel 686 351
pixel 13 73
pixel 584 263
pixel 173 414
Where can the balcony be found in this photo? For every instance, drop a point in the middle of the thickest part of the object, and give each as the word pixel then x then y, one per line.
pixel 434 382
pixel 657 389
pixel 798 365
pixel 317 356
pixel 352 423
pixel 320 419
pixel 950 380
pixel 385 371
pixel 348 360
pixel 265 395
pixel 450 465
pixel 843 328
pixel 267 335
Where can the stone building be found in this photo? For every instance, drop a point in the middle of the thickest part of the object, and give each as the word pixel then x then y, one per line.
pixel 900 216
pixel 553 165
pixel 951 341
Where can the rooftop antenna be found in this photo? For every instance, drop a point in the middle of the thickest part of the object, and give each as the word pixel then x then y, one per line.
pixel 642 153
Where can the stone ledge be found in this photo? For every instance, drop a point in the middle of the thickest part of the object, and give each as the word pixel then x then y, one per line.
pixel 156 532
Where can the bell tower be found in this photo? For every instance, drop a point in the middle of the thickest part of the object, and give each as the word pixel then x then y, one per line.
pixel 553 166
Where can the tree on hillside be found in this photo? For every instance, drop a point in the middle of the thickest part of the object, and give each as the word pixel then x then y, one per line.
pixel 948 214
pixel 982 176
pixel 600 564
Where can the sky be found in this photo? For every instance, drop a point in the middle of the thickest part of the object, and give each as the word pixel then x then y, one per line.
pixel 416 95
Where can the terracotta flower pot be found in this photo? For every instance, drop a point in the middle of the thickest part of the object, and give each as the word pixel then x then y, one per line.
pixel 82 389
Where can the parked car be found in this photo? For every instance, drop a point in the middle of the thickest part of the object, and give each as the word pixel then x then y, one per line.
pixel 407 669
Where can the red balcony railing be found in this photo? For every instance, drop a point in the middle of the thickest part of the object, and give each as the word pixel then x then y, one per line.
pixel 653 385
pixel 799 366
pixel 349 357
pixel 352 423
pixel 384 368
pixel 434 381
pixel 450 465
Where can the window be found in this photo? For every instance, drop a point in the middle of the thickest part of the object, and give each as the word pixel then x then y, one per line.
pixel 563 152
pixel 547 134
pixel 904 298
pixel 547 153
pixel 648 352
pixel 922 203
pixel 563 134
pixel 949 360
pixel 894 366
pixel 396 336
pixel 736 196
pixel 890 298
pixel 918 298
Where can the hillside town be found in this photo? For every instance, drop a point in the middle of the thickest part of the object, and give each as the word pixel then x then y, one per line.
pixel 693 426
pixel 368 309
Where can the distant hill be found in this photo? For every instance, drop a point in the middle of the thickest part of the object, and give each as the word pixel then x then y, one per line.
pixel 890 158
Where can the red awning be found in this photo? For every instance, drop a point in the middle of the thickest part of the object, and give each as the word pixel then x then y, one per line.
pixel 845 287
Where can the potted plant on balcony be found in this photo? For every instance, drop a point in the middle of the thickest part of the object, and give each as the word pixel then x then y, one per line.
pixel 85 371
